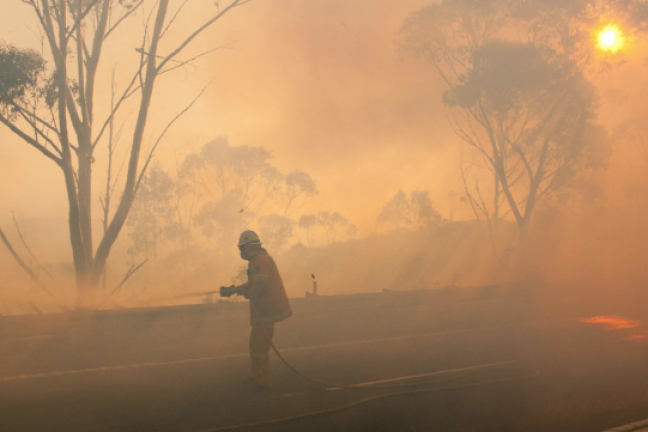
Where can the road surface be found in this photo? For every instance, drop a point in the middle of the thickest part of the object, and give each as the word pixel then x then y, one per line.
pixel 181 369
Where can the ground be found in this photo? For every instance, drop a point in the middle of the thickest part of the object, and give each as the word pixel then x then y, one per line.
pixel 182 368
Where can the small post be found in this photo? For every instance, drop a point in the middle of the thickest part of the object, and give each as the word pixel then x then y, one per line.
pixel 314 293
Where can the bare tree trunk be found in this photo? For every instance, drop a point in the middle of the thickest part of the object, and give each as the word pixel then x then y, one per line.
pixel 76 238
pixel 496 201
pixel 108 192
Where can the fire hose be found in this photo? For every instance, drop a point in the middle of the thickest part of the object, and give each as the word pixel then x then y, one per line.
pixel 437 385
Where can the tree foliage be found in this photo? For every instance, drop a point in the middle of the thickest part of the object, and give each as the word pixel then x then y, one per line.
pixel 334 225
pixel 194 220
pixel 276 230
pixel 308 222
pixel 300 186
pixel 20 73
pixel 413 212
pixel 516 76
pixel 236 183
pixel 152 214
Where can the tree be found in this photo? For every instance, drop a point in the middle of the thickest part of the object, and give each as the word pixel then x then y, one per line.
pixel 299 187
pixel 414 212
pixel 333 224
pixel 352 232
pixel 396 212
pixel 524 108
pixel 222 220
pixel 308 223
pixel 237 184
pixel 221 190
pixel 56 115
pixel 151 214
pixel 185 203
pixel 276 230
pixel 21 72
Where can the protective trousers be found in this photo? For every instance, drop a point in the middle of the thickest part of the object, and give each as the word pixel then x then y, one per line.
pixel 260 338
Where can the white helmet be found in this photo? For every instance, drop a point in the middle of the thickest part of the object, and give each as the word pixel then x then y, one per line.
pixel 249 238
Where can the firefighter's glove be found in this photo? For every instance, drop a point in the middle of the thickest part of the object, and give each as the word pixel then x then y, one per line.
pixel 228 291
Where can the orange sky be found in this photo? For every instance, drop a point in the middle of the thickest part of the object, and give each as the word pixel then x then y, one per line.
pixel 318 82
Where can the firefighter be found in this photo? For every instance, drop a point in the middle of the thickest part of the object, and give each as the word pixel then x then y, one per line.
pixel 268 304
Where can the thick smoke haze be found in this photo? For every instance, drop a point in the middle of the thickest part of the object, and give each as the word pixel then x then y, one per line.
pixel 320 84
pixel 323 86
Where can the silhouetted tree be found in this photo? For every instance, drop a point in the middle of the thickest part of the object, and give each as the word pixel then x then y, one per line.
pixel 151 214
pixel 525 108
pixel 221 190
pixel 299 188
pixel 308 223
pixel 333 224
pixel 236 185
pixel 275 231
pixel 186 201
pixel 413 212
pixel 351 232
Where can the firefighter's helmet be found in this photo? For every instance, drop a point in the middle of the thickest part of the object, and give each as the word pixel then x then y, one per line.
pixel 249 238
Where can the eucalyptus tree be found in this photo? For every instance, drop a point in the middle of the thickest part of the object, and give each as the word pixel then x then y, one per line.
pixel 412 212
pixel 54 109
pixel 517 89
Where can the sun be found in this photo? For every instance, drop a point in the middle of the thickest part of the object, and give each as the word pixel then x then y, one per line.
pixel 610 38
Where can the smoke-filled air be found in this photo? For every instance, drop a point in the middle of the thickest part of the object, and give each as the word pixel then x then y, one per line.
pixel 359 172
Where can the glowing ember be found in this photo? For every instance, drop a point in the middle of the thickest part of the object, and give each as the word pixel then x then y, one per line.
pixel 613 322
pixel 610 38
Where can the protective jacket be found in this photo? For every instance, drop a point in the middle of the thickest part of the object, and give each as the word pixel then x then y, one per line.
pixel 268 301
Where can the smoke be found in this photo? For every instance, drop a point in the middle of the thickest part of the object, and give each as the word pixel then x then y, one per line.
pixel 322 87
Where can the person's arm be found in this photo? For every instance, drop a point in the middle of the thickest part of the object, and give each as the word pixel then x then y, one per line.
pixel 243 290
pixel 257 288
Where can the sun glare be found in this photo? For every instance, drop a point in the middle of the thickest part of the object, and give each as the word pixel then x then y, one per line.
pixel 610 38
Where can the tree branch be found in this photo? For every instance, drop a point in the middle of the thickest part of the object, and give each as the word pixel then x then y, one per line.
pixel 196 33
pixel 129 273
pixel 35 117
pixel 127 93
pixel 31 141
pixel 182 63
pixel 37 130
pixel 157 142
pixel 122 18
pixel 77 21
pixel 24 242
pixel 93 61
pixel 48 26
pixel 25 267
pixel 173 18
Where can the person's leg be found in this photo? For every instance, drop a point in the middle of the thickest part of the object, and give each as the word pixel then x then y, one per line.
pixel 260 345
